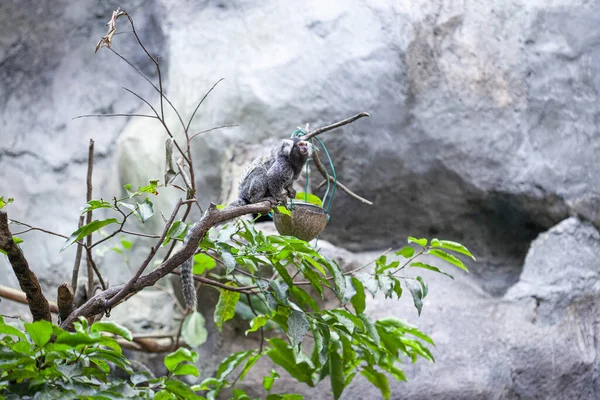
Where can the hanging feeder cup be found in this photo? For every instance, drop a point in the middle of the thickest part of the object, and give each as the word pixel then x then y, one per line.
pixel 306 222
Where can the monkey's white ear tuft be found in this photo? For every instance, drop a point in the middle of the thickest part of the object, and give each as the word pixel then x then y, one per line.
pixel 286 146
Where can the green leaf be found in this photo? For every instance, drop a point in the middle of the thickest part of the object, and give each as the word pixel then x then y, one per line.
pixel 287 396
pixel 164 395
pixel 336 373
pixel 303 298
pixel 453 246
pixel 321 336
pixel 145 210
pixel 257 323
pixel 297 327
pixel 249 364
pixel 280 289
pixel 424 288
pixel 406 251
pixel 112 327
pixel 177 230
pixel 17 240
pixel 11 330
pixel 358 301
pixel 269 380
pixel 177 357
pixel 194 330
pixel 369 282
pixel 140 377
pixel 448 258
pixel 151 188
pixel 96 204
pixel 186 369
pixel 87 230
pixel 283 355
pixel 370 327
pixel 225 309
pixel 39 331
pixel 283 210
pixel 180 389
pixel 231 362
pixel 309 198
pixel 5 202
pixel 420 242
pixel 229 262
pixel 417 294
pixel 378 380
pixel 429 267
pixel 338 278
pixel 202 263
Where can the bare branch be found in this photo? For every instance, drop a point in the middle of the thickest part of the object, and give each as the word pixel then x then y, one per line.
pixel 114 115
pixel 75 274
pixel 200 103
pixel 20 297
pixel 32 228
pixel 343 188
pixel 38 304
pixel 334 126
pixel 152 84
pixel 213 129
pixel 140 234
pixel 90 269
pixel 124 291
pixel 92 265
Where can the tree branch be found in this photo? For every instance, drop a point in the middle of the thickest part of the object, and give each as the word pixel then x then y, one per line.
pixel 213 216
pixel 314 133
pixel 343 188
pixel 38 304
pixel 20 297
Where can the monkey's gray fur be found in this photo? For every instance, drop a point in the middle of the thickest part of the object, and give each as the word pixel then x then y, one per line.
pixel 187 277
pixel 267 176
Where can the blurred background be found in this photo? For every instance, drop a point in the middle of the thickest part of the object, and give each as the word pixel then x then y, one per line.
pixel 484 129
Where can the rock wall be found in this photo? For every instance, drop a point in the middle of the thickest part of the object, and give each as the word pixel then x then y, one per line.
pixel 484 130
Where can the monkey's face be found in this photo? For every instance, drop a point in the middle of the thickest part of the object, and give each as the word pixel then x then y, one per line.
pixel 304 147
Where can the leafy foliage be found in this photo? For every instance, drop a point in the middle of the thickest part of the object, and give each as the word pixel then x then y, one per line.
pixel 45 361
pixel 5 202
pixel 290 278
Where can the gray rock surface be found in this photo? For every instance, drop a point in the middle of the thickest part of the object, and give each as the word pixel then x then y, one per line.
pixel 484 130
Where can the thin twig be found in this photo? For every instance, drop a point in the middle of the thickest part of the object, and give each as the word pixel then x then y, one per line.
pixel 90 269
pixel 123 292
pixel 140 234
pixel 152 84
pixel 75 274
pixel 213 129
pixel 32 228
pixel 343 188
pixel 180 328
pixel 157 117
pixel 114 115
pixel 200 103
pixel 334 126
pixel 92 265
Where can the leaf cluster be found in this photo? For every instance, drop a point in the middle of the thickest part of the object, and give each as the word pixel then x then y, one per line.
pixel 289 280
pixel 45 361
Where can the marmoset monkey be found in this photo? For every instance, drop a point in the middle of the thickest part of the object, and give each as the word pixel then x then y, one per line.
pixel 265 177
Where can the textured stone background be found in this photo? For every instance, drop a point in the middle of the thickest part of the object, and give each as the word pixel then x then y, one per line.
pixel 484 130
